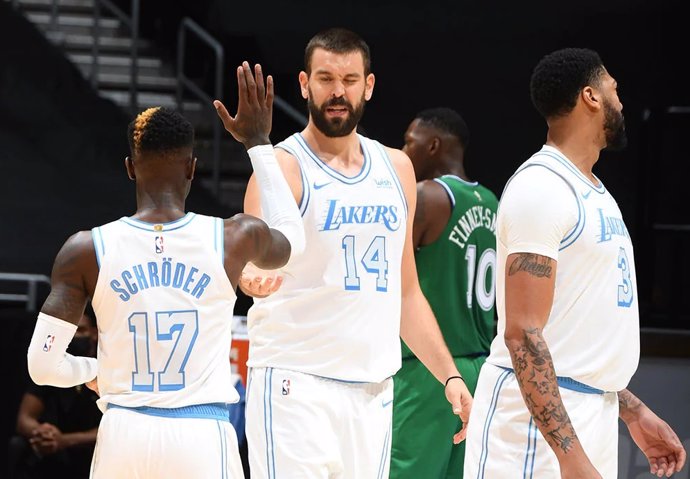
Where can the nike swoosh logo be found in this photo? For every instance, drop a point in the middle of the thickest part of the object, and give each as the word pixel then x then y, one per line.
pixel 386 403
pixel 586 195
pixel 318 187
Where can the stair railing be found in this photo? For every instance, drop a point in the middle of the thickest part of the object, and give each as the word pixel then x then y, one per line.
pixel 31 296
pixel 184 81
pixel 132 21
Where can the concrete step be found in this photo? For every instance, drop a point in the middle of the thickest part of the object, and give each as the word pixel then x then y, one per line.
pixel 78 42
pixel 81 6
pixel 120 64
pixel 78 24
pixel 121 81
pixel 146 99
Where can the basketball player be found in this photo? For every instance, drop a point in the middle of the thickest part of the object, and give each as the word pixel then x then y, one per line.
pixel 324 347
pixel 553 387
pixel 162 284
pixel 455 242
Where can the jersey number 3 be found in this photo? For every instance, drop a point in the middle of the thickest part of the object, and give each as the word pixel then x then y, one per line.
pixel 180 327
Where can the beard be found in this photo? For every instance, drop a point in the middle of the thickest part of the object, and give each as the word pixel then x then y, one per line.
pixel 614 128
pixel 336 127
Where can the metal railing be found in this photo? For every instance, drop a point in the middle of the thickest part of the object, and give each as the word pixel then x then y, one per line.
pixel 31 296
pixel 132 21
pixel 183 82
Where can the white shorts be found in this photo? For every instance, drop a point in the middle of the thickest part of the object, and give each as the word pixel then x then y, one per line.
pixel 504 443
pixel 309 427
pixel 195 441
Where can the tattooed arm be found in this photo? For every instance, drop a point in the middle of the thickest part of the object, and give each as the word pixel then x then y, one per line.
pixel 652 435
pixel 529 288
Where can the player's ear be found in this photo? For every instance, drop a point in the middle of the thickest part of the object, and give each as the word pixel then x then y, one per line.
pixel 129 166
pixel 304 84
pixel 191 168
pixel 369 88
pixel 591 98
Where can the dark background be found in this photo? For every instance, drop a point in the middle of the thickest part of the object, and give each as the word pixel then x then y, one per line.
pixel 61 146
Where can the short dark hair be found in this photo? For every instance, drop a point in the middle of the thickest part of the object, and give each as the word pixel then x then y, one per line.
pixel 337 40
pixel 559 78
pixel 448 121
pixel 159 129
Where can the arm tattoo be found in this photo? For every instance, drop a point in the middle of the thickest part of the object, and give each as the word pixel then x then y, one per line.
pixel 537 379
pixel 628 404
pixel 534 264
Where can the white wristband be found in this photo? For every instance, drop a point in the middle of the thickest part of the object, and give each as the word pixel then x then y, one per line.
pixel 277 202
pixel 47 358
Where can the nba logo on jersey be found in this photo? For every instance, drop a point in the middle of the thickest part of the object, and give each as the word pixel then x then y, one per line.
pixel 158 242
pixel 49 343
pixel 286 387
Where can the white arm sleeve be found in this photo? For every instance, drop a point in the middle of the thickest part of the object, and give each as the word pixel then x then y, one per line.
pixel 537 211
pixel 277 203
pixel 49 363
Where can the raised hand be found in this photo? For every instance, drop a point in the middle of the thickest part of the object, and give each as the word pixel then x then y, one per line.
pixel 251 124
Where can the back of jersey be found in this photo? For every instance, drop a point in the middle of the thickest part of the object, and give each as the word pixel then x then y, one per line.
pixel 164 308
pixel 457 271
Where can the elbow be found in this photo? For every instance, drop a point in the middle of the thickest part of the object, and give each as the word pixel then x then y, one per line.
pixel 39 372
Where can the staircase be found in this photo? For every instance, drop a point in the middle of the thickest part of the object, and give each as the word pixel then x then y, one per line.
pixel 69 24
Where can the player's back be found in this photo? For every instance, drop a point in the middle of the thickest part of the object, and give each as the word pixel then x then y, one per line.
pixel 164 306
pixel 457 271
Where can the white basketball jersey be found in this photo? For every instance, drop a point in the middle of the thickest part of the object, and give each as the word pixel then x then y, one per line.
pixel 337 314
pixel 593 329
pixel 164 308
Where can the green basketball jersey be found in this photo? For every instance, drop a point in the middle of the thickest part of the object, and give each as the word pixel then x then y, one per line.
pixel 457 272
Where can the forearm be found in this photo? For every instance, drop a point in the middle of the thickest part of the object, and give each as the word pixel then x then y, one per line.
pixel 629 406
pixel 536 376
pixel 82 438
pixel 420 331
pixel 26 426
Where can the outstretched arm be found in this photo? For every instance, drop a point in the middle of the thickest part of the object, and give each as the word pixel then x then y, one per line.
pixel 652 435
pixel 267 247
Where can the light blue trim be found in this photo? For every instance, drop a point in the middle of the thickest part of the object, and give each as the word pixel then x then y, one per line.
pixel 568 383
pixel 223 448
pixel 98 245
pixel 270 407
pixel 487 423
pixel 220 239
pixel 217 411
pixel 384 454
pixel 574 233
pixel 143 225
pixel 531 427
pixel 363 173
pixel 394 175
pixel 449 192
pixel 306 190
pixel 558 156
pixel 268 423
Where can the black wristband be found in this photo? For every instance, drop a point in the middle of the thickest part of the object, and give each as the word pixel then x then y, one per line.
pixel 454 377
